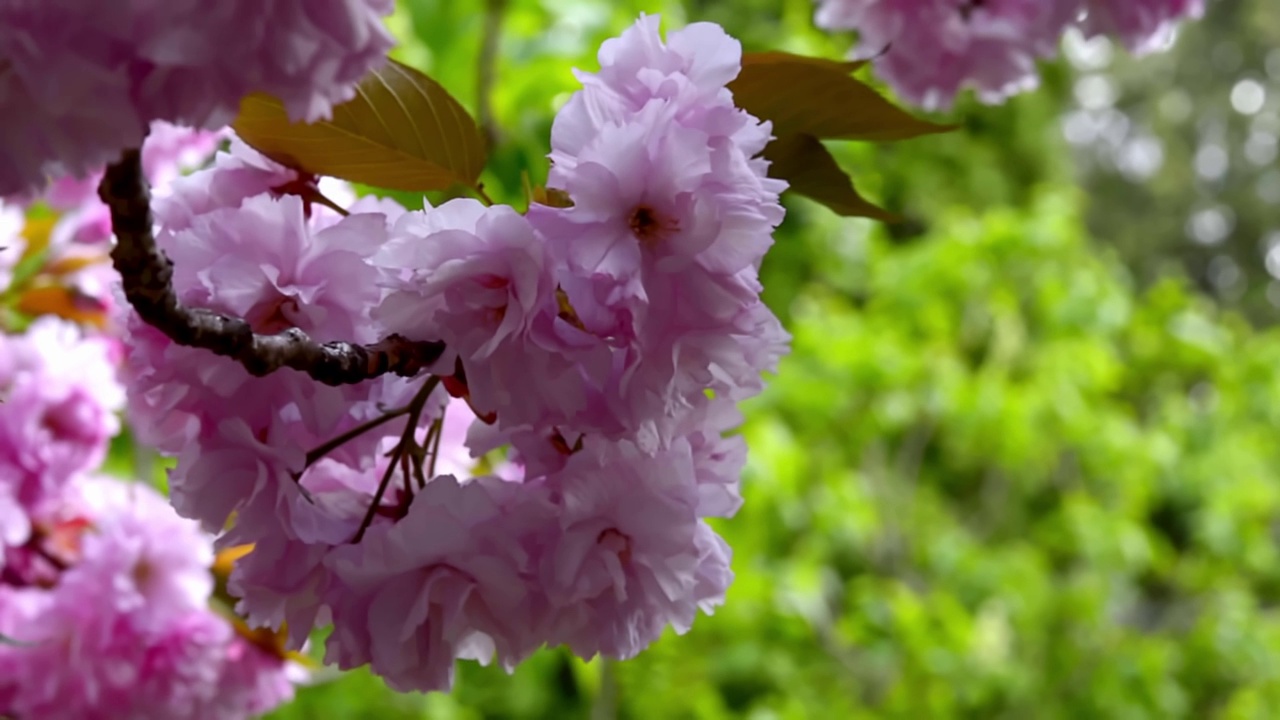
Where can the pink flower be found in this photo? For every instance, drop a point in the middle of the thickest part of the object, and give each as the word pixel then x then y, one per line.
pixel 671 217
pixel 659 253
pixel 293 527
pixel 478 278
pixel 153 562
pixel 718 459
pixel 277 263
pixel 125 630
pixel 228 468
pixel 446 581
pixel 60 398
pixel 1141 25
pixel 928 50
pixel 629 556
pixel 80 83
pixel 473 276
pixel 689 73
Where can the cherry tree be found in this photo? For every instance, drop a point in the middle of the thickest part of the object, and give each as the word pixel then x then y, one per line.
pixel 465 431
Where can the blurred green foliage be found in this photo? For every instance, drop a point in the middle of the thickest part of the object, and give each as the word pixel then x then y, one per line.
pixel 1002 475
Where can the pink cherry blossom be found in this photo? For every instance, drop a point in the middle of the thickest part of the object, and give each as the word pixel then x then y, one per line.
pixel 1141 25
pixel 126 629
pixel 626 560
pixel 81 81
pixel 60 398
pixel 446 581
pixel 930 50
pixel 480 280
pixel 671 216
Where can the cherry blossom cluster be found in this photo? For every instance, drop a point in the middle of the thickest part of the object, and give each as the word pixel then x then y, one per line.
pixel 104 591
pixel 928 50
pixel 80 81
pixel 547 481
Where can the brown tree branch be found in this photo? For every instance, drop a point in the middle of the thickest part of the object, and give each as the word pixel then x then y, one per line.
pixel 147 274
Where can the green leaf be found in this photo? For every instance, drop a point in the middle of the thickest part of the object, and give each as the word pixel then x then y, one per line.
pixel 402 131
pixel 814 96
pixel 6 640
pixel 805 163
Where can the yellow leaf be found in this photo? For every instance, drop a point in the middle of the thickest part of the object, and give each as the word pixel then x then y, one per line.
pixel 813 96
pixel 226 559
pixel 272 642
pixel 68 265
pixel 37 232
pixel 805 163
pixel 402 131
pixel 552 197
pixel 64 302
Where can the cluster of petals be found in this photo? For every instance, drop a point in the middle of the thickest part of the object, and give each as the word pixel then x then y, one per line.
pixel 81 80
pixel 122 626
pixel 929 50
pixel 243 246
pixel 60 396
pixel 576 432
pixel 104 591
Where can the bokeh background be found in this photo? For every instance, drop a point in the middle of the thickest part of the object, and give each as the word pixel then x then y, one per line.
pixel 1024 460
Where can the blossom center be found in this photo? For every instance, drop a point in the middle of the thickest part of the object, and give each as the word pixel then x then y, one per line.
pixel 616 542
pixel 968 6
pixel 649 226
pixel 272 317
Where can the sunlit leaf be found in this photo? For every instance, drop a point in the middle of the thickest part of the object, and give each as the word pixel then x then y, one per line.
pixel 73 264
pixel 226 559
pixel 805 162
pixel 65 302
pixel 402 131
pixel 37 231
pixel 818 97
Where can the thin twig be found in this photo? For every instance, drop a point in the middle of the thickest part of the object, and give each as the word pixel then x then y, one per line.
pixel 147 276
pixel 406 442
pixel 319 451
pixel 408 477
pixel 377 496
pixel 435 448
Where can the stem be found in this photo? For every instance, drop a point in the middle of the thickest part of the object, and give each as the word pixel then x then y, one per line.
pixel 435 448
pixel 329 446
pixel 432 431
pixel 404 467
pixel 320 198
pixel 377 497
pixel 406 439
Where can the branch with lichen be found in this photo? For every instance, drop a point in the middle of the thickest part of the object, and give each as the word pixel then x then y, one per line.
pixel 147 275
